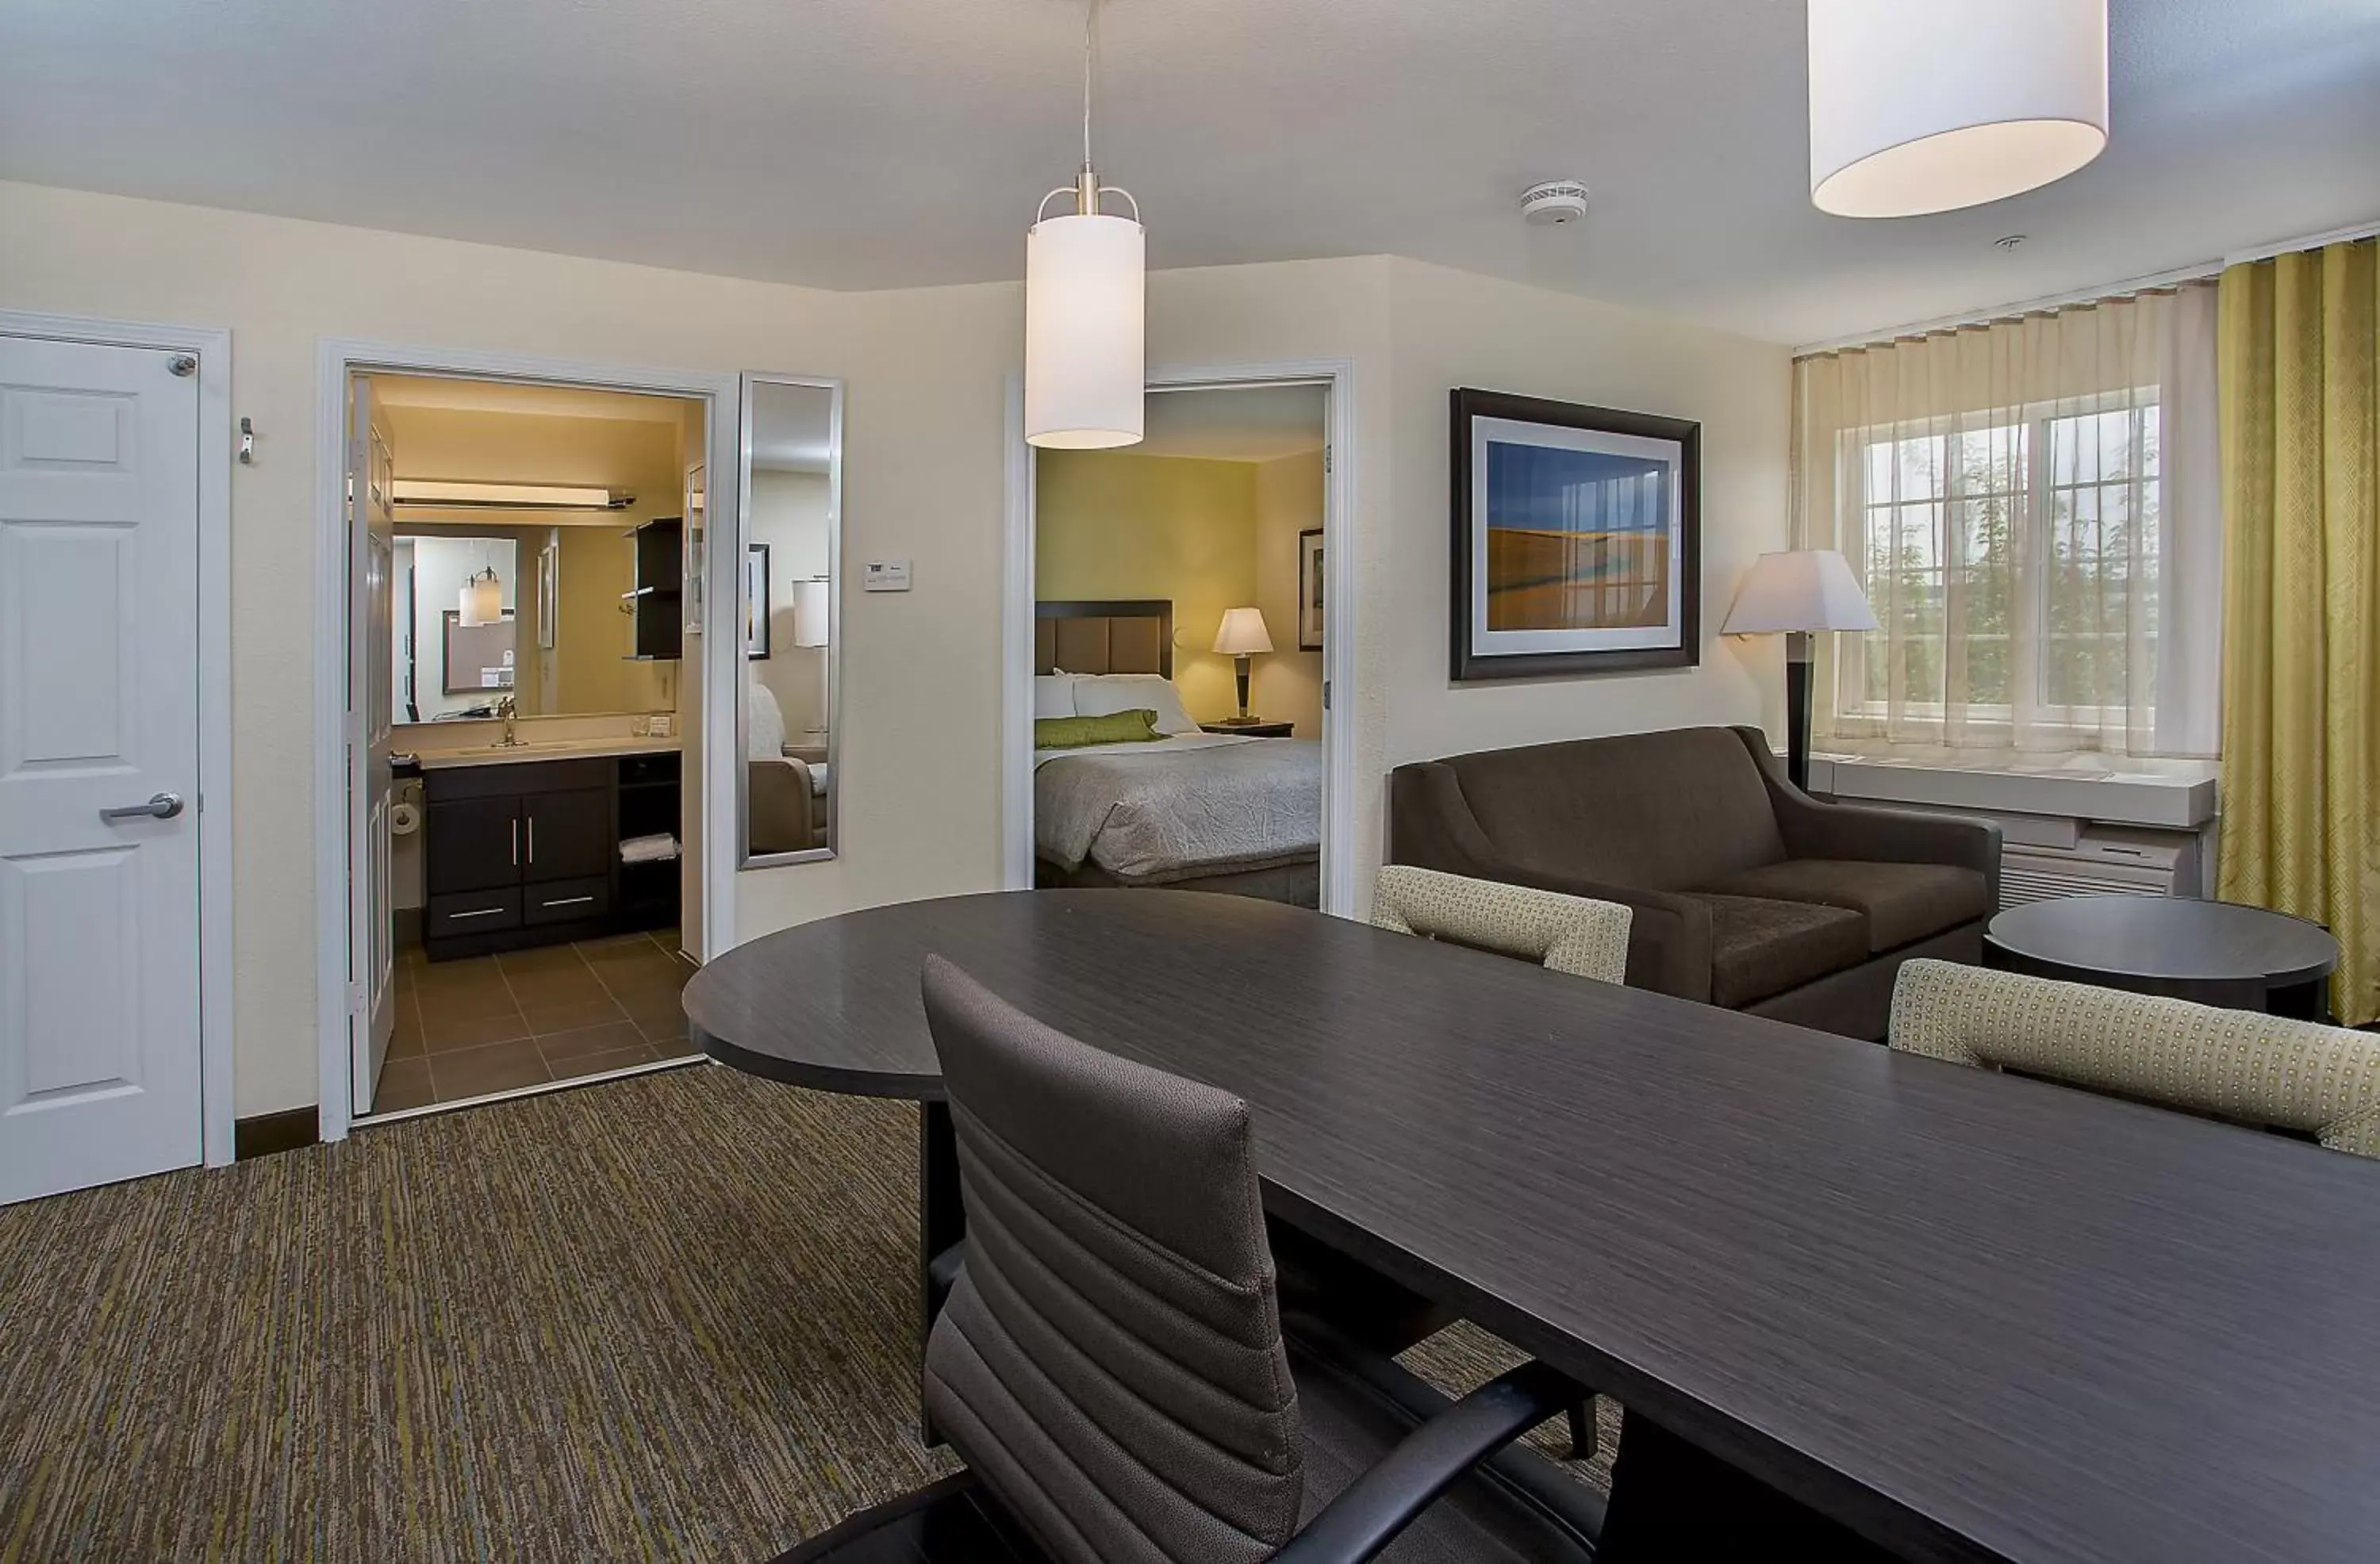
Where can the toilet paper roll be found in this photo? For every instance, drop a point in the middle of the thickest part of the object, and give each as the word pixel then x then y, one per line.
pixel 405 820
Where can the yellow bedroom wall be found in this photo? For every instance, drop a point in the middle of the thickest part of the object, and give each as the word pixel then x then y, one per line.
pixel 1113 524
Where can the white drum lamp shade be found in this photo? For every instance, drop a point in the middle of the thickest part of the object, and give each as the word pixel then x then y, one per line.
pixel 1084 339
pixel 481 601
pixel 1922 107
pixel 810 613
pixel 1242 632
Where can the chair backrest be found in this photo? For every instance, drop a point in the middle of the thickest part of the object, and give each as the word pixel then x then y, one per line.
pixel 1109 1360
pixel 1658 811
pixel 1572 934
pixel 2322 1081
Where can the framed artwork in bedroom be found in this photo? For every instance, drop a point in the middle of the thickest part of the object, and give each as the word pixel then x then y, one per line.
pixel 1309 589
pixel 1577 539
pixel 756 604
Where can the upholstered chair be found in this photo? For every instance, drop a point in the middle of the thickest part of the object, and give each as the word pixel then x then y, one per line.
pixel 2236 1064
pixel 1111 1361
pixel 1571 934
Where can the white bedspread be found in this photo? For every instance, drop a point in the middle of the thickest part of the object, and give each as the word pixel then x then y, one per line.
pixel 1190 805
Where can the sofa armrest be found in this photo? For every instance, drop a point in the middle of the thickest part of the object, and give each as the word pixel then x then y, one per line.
pixel 1431 825
pixel 1865 833
pixel 778 807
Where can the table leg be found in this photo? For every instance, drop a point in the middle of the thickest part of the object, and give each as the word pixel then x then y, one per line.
pixel 942 1225
pixel 1674 1500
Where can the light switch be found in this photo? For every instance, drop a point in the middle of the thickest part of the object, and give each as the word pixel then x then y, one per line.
pixel 885 576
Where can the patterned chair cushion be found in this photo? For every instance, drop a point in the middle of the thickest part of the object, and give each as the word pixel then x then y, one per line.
pixel 1568 934
pixel 2323 1081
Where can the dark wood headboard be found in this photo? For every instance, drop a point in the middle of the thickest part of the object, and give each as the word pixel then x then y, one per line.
pixel 1128 635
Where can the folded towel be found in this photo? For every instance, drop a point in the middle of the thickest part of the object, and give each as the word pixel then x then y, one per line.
pixel 648 848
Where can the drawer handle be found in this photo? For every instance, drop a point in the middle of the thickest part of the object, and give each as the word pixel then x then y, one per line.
pixel 568 900
pixel 483 911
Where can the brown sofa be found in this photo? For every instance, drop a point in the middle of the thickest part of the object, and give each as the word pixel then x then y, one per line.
pixel 1747 891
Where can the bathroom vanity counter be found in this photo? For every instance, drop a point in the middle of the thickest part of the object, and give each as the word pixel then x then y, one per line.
pixel 545 749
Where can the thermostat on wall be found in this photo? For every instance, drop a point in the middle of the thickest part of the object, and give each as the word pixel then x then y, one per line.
pixel 885 576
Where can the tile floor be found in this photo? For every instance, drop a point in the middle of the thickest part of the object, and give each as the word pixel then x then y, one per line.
pixel 492 1024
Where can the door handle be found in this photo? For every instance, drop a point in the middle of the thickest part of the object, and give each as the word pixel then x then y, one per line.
pixel 532 839
pixel 161 806
pixel 515 841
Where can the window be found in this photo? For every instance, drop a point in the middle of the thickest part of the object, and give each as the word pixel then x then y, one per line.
pixel 2013 567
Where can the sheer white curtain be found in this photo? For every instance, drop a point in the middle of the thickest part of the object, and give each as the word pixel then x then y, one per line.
pixel 2032 506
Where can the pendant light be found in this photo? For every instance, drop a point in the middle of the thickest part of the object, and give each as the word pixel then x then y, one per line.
pixel 1922 108
pixel 1085 307
pixel 482 600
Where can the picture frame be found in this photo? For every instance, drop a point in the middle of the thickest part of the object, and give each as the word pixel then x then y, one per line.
pixel 755 602
pixel 549 588
pixel 696 556
pixel 1309 589
pixel 1576 540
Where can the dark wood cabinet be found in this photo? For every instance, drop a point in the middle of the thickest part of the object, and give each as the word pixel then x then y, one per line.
pixel 527 853
pixel 657 602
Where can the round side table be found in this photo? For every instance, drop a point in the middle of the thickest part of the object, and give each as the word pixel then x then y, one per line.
pixel 2213 953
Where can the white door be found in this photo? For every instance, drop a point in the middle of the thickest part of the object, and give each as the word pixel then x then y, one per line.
pixel 98 764
pixel 370 715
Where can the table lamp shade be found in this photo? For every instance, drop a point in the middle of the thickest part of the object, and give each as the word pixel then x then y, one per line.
pixel 812 621
pixel 1242 632
pixel 1799 589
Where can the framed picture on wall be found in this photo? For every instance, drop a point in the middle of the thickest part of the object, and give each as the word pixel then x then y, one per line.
pixel 756 600
pixel 1577 539
pixel 549 586
pixel 1309 589
pixel 697 501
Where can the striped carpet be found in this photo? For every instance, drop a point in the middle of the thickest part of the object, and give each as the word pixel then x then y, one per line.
pixel 668 1318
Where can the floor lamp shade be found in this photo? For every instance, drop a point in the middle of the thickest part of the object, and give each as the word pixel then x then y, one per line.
pixel 1084 331
pixel 1796 592
pixel 810 613
pixel 1929 107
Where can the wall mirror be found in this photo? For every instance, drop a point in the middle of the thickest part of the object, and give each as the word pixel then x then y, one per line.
pixel 788 541
pixel 484 612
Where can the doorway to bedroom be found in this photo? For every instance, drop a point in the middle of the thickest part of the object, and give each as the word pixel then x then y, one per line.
pixel 1179 641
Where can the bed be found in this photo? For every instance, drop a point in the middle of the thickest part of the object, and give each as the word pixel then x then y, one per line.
pixel 1188 811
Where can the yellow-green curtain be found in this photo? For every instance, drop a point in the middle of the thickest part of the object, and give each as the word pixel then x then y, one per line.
pixel 2299 374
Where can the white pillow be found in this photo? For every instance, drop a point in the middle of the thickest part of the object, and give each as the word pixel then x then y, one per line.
pixel 1053 696
pixel 1097 694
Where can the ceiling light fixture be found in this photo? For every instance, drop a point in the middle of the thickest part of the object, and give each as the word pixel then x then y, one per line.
pixel 1085 307
pixel 1917 109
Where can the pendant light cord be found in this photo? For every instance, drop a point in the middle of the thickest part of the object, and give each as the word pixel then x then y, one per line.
pixel 1090 72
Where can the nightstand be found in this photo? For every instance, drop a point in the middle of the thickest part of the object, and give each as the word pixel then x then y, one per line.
pixel 1252 729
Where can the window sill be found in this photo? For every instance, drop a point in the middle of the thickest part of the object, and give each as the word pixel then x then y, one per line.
pixel 2169 795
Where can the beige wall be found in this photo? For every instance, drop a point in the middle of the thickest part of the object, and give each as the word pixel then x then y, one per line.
pixel 924 464
pixel 788 512
pixel 1454 328
pixel 1289 501
pixel 1110 523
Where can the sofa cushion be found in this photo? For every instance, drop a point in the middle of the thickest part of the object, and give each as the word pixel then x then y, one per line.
pixel 1761 947
pixel 1900 902
pixel 1659 811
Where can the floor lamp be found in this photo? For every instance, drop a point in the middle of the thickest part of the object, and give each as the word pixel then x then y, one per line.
pixel 1798 592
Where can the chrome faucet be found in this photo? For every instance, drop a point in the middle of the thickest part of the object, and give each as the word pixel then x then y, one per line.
pixel 507 708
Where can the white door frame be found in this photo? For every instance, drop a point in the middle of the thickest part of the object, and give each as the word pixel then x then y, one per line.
pixel 213 349
pixel 334 828
pixel 1338 547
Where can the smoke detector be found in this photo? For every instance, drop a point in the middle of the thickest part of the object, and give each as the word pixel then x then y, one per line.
pixel 1555 201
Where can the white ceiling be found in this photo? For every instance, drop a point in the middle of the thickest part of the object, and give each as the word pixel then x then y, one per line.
pixel 884 143
pixel 1258 423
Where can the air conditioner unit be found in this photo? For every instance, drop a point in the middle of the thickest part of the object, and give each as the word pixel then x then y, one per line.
pixel 2102 861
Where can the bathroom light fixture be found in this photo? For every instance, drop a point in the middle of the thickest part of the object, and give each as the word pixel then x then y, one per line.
pixel 1085 307
pixel 1917 109
pixel 506 496
pixel 482 600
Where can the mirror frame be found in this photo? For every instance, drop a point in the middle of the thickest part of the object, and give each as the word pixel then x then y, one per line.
pixel 733 620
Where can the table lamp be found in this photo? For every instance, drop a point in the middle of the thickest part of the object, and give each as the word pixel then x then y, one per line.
pixel 1798 592
pixel 1243 633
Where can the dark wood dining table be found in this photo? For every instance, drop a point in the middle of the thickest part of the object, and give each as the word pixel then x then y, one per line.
pixel 1968 1315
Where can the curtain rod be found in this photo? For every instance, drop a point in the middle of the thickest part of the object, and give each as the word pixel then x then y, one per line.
pixel 2195 271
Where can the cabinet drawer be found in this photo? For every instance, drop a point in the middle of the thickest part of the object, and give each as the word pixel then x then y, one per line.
pixel 565 901
pixel 471 912
pixel 510 778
